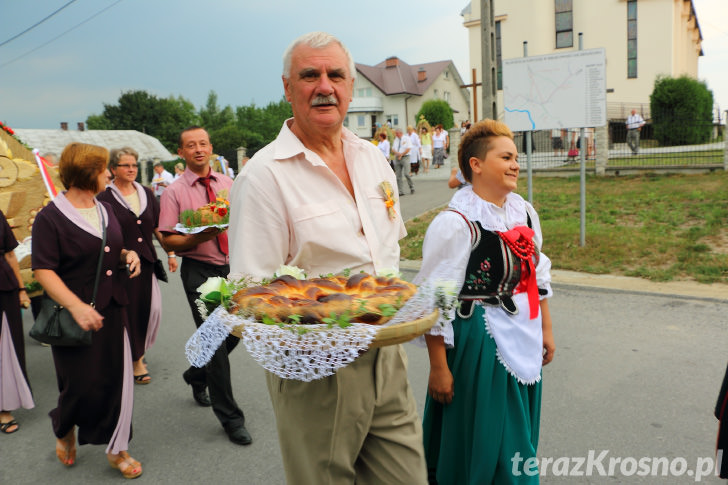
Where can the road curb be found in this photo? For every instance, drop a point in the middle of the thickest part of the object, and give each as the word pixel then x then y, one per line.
pixel 690 289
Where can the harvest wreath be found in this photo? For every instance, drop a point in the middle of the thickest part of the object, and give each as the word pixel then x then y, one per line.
pixel 305 329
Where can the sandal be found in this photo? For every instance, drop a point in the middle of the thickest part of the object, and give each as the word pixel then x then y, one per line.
pixel 142 379
pixel 4 427
pixel 66 448
pixel 128 466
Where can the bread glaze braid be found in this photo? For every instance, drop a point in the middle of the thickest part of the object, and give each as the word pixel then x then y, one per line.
pixel 361 296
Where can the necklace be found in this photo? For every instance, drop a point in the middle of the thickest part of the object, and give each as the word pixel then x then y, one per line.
pixel 523 247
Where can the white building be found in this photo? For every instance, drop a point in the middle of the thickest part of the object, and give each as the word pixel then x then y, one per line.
pixel 643 39
pixel 393 91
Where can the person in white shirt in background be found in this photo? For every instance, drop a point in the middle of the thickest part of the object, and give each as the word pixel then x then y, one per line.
pixel 384 147
pixel 634 126
pixel 162 179
pixel 440 143
pixel 402 149
pixel 557 141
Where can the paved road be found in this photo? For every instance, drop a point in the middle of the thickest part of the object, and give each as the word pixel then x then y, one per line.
pixel 635 373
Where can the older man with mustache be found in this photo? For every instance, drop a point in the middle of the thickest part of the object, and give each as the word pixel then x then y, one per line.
pixel 312 199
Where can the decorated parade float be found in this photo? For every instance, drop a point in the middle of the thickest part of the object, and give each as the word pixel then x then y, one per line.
pixel 27 184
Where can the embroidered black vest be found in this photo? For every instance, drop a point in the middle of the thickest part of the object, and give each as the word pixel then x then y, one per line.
pixel 493 271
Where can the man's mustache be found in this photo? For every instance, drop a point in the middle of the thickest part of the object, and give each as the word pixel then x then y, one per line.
pixel 321 99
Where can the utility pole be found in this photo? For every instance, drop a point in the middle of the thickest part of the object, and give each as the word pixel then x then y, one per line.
pixel 487 51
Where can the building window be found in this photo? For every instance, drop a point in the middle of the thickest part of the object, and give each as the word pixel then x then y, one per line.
pixel 361 121
pixel 564 23
pixel 498 56
pixel 364 92
pixel 446 96
pixel 346 121
pixel 631 38
pixel 435 94
pixel 447 73
pixel 393 120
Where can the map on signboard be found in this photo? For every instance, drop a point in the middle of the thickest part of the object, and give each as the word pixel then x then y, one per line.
pixel 555 91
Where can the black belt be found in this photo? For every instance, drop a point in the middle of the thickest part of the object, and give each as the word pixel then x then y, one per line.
pixel 465 310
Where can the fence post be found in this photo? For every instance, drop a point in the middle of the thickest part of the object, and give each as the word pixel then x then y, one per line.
pixel 725 145
pixel 601 138
pixel 454 134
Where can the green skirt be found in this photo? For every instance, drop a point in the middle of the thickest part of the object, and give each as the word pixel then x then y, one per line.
pixel 490 430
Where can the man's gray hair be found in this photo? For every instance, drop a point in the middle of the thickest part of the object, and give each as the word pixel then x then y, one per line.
pixel 316 40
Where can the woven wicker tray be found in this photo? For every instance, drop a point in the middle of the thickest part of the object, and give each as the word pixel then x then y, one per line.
pixel 390 335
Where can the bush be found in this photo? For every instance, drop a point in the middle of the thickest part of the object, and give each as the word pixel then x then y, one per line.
pixel 436 111
pixel 681 111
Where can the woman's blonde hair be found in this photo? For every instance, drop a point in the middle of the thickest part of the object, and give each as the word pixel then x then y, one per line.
pixel 476 143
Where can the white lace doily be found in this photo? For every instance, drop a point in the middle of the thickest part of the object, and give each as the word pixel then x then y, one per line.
pixel 179 227
pixel 303 352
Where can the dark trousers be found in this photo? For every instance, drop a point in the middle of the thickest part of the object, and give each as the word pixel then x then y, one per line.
pixel 216 374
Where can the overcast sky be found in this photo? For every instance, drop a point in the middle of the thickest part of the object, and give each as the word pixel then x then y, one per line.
pixel 234 47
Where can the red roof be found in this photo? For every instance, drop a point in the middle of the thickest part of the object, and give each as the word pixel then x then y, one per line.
pixel 402 78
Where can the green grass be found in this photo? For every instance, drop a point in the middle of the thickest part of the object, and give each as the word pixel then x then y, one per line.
pixel 659 227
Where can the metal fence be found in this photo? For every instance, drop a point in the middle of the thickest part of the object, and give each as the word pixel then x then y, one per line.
pixel 561 149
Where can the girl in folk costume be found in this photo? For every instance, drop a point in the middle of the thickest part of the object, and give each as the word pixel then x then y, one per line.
pixel 482 413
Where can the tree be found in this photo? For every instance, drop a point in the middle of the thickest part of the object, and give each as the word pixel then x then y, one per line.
pixel 262 124
pixel 162 118
pixel 681 111
pixel 437 111
pixel 98 122
pixel 212 117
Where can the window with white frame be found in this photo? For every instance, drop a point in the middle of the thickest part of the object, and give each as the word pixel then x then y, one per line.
pixel 361 121
pixel 393 120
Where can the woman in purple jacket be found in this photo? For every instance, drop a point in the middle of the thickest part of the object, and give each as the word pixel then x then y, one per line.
pixel 137 210
pixel 95 382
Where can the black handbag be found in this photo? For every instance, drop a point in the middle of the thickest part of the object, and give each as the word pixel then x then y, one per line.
pixel 159 271
pixel 55 325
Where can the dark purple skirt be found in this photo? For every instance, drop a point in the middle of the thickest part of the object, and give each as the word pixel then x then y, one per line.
pixel 90 382
pixel 139 290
